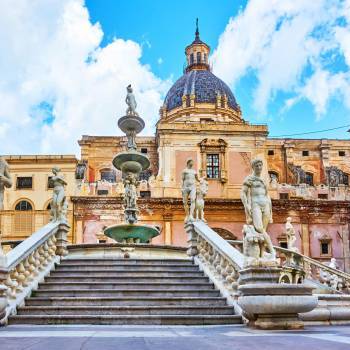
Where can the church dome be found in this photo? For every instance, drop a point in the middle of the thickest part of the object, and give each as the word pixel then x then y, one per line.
pixel 201 83
pixel 198 80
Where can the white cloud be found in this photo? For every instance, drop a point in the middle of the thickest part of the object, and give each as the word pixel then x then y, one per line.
pixel 51 53
pixel 289 46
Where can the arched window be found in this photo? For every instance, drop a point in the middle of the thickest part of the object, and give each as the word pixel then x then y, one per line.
pixel 23 219
pixel 205 57
pixel 198 57
pixel 23 206
pixel 191 58
pixel 273 175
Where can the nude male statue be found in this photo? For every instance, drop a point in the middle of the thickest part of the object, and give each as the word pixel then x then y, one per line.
pixel 58 203
pixel 5 180
pixel 130 101
pixel 189 189
pixel 257 203
pixel 290 233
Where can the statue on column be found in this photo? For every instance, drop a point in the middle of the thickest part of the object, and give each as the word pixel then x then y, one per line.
pixel 189 189
pixel 258 210
pixel 130 185
pixel 59 205
pixel 131 102
pixel 291 238
pixel 5 180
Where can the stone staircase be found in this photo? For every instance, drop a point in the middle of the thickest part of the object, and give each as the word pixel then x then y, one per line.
pixel 126 291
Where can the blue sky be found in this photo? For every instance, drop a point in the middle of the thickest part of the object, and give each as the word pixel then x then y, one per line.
pixel 66 63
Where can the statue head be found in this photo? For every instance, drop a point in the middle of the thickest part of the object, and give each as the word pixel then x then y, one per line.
pixel 257 166
pixel 129 88
pixel 189 163
pixel 289 219
pixel 56 170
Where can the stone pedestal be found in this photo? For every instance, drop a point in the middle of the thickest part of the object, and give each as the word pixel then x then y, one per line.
pixel 62 241
pixel 270 305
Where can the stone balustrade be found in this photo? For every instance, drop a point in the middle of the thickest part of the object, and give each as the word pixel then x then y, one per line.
pixel 216 257
pixel 297 267
pixel 305 191
pixel 25 266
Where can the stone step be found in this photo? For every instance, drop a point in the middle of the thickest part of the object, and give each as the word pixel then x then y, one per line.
pixel 126 310
pixel 127 319
pixel 102 262
pixel 115 286
pixel 136 273
pixel 128 268
pixel 106 279
pixel 125 293
pixel 126 301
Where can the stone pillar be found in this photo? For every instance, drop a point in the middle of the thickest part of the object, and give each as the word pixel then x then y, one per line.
pixel 168 235
pixel 79 231
pixel 3 288
pixel 346 246
pixel 192 240
pixel 61 235
pixel 305 236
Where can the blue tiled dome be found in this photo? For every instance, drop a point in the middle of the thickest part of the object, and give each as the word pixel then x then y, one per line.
pixel 204 84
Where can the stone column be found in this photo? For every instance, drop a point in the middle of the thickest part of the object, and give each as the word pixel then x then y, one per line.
pixel 78 230
pixel 61 235
pixel 168 235
pixel 346 246
pixel 3 288
pixel 305 235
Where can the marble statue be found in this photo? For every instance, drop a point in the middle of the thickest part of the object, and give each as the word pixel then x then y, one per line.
pixel 189 189
pixel 201 192
pixel 131 102
pixel 59 205
pixel 291 238
pixel 5 180
pixel 258 208
pixel 253 244
pixel 130 184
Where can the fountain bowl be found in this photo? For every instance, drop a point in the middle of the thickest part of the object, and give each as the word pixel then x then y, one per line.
pixel 135 232
pixel 130 123
pixel 131 161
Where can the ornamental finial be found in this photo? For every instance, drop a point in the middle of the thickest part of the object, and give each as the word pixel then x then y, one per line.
pixel 197 29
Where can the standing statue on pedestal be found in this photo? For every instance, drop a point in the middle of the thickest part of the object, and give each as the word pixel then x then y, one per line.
pixel 59 205
pixel 130 101
pixel 258 210
pixel 189 189
pixel 291 238
pixel 5 180
pixel 201 192
pixel 130 197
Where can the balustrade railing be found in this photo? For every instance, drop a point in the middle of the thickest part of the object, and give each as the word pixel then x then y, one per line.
pixel 336 280
pixel 26 265
pixel 216 257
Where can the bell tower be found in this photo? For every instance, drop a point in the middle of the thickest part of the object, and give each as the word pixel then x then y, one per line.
pixel 197 54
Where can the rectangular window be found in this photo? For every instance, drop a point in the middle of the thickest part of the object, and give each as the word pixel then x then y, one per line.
pixel 305 153
pixel 144 150
pixel 102 192
pixel 341 153
pixel 323 196
pixel 324 248
pixel 309 179
pixel 49 182
pixel 284 196
pixel 283 244
pixel 24 182
pixel 145 194
pixel 346 179
pixel 213 166
pixel 270 152
pixel 108 175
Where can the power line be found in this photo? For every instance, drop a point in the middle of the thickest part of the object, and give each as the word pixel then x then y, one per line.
pixel 314 132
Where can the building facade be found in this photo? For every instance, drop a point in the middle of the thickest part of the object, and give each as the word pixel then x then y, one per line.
pixel 201 119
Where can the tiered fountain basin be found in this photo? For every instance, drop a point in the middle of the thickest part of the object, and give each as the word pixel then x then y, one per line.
pixel 131 123
pixel 135 233
pixel 131 161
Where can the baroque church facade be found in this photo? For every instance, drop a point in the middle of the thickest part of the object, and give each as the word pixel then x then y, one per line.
pixel 200 119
